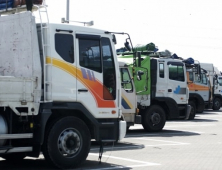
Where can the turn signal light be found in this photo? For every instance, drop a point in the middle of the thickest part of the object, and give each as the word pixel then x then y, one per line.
pixel 113 112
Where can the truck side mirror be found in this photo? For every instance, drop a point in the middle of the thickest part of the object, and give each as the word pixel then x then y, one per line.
pixel 114 39
pixel 127 46
pixel 139 59
pixel 139 75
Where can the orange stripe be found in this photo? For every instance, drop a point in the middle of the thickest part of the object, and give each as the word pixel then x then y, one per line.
pixel 95 87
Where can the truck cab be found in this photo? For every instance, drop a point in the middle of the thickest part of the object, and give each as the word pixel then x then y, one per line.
pixel 200 90
pixel 60 88
pixel 129 98
pixel 213 75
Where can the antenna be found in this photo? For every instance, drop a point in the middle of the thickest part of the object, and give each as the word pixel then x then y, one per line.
pixel 63 20
pixel 67 11
pixel 90 23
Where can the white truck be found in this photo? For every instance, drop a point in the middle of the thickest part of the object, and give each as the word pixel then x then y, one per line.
pixel 159 87
pixel 59 88
pixel 215 78
pixel 129 98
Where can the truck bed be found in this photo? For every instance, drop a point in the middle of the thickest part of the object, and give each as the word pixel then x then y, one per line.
pixel 20 68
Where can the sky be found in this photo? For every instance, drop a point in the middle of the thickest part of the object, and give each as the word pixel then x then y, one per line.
pixel 189 28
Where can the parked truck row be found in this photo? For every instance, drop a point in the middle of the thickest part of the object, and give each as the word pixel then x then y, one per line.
pixel 168 86
pixel 63 85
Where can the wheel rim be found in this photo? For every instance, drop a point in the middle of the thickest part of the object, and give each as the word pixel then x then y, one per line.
pixel 155 118
pixel 69 142
pixel 216 104
pixel 192 110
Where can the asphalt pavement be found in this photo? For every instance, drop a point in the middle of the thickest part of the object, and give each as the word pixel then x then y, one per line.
pixel 181 145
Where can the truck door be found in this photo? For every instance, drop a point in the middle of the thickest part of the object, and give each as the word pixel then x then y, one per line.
pixel 162 80
pixel 62 74
pixel 202 87
pixel 128 92
pixel 177 83
pixel 96 75
pixel 190 81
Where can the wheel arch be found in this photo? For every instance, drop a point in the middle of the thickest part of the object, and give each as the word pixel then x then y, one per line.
pixel 200 104
pixel 51 112
pixel 218 96
pixel 169 105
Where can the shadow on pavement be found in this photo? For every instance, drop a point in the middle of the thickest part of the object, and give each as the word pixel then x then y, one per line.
pixel 164 133
pixel 26 164
pixel 96 165
pixel 36 164
pixel 211 111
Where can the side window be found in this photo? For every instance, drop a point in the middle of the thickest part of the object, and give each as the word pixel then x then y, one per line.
pixel 197 78
pixel 126 80
pixel 204 79
pixel 161 70
pixel 64 46
pixel 109 73
pixel 89 54
pixel 220 81
pixel 176 72
pixel 191 76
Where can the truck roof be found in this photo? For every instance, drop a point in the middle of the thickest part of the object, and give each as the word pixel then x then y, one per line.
pixel 77 27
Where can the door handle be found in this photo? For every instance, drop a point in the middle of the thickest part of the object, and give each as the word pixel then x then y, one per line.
pixel 82 90
pixel 169 90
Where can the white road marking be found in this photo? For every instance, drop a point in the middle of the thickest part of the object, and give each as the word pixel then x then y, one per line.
pixel 141 163
pixel 123 147
pixel 160 140
pixel 119 147
pixel 173 144
pixel 189 125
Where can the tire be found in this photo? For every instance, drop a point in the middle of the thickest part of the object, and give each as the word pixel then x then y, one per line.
pixel 14 157
pixel 153 119
pixel 216 104
pixel 200 111
pixel 192 111
pixel 67 143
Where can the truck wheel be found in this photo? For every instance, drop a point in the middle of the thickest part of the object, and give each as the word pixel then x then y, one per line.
pixel 216 104
pixel 127 128
pixel 199 109
pixel 192 111
pixel 153 119
pixel 14 157
pixel 67 143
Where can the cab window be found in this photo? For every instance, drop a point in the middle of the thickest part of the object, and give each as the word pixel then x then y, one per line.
pixel 161 70
pixel 90 55
pixel 109 72
pixel 176 72
pixel 126 80
pixel 64 46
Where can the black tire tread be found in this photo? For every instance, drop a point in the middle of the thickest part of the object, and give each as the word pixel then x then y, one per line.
pixel 45 148
pixel 146 124
pixel 192 116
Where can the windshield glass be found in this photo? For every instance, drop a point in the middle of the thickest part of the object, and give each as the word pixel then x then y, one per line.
pixel 220 81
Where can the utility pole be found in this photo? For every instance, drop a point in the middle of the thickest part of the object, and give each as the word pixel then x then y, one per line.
pixel 67 10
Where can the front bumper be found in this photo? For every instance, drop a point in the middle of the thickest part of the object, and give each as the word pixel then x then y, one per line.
pixel 188 109
pixel 122 129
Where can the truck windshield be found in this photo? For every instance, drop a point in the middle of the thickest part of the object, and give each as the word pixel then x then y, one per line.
pixel 176 72
pixel 220 81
